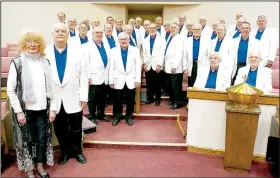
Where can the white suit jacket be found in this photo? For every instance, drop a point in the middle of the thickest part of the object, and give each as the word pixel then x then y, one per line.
pixel 157 56
pixel 76 33
pixel 162 32
pixel 204 51
pixel 106 43
pixel 253 45
pixel 264 78
pixel 141 32
pixel 268 42
pixel 174 57
pixel 74 87
pixel 231 31
pixel 117 73
pixel 98 73
pixel 227 59
pixel 223 78
pixel 207 32
pixel 138 38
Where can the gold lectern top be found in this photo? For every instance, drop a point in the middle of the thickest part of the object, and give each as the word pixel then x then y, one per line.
pixel 243 94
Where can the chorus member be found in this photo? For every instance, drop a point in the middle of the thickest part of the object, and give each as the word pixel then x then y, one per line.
pixel 255 74
pixel 153 51
pixel 160 29
pixel 216 76
pixel 31 95
pixel 124 77
pixel 70 77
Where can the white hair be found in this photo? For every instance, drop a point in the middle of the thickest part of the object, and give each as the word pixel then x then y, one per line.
pixel 202 18
pixel 96 29
pixel 123 35
pixel 166 23
pixel 71 18
pixel 217 54
pixel 197 25
pixel 128 26
pixel 58 24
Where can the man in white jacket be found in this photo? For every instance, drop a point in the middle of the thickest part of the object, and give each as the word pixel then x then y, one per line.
pixel 70 77
pixel 153 50
pixel 124 77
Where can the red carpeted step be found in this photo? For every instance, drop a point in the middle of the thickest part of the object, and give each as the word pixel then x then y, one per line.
pixel 144 131
pixel 140 163
pixel 152 112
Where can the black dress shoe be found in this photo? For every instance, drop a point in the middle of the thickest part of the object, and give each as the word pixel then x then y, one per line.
pixel 105 118
pixel 175 106
pixel 169 103
pixel 94 121
pixel 63 159
pixel 81 158
pixel 129 121
pixel 43 176
pixel 157 103
pixel 115 121
pixel 149 102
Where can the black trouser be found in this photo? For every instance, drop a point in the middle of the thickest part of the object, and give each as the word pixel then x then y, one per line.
pixel 176 94
pixel 36 125
pixel 163 80
pixel 239 65
pixel 118 102
pixel 192 79
pixel 110 96
pixel 153 81
pixel 97 101
pixel 68 130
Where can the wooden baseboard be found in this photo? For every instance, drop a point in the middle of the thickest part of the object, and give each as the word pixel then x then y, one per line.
pixel 220 153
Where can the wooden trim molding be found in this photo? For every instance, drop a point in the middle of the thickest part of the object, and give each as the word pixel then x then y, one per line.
pixel 210 94
pixel 219 153
pixel 4 93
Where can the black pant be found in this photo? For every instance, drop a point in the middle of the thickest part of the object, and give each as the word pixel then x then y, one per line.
pixel 192 79
pixel 239 65
pixel 118 102
pixel 97 101
pixel 68 130
pixel 163 80
pixel 36 125
pixel 176 94
pixel 153 81
pixel 110 96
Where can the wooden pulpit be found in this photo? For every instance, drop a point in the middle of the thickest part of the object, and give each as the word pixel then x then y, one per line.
pixel 241 130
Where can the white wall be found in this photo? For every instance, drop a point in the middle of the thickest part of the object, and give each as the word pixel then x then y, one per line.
pixel 17 16
pixel 227 11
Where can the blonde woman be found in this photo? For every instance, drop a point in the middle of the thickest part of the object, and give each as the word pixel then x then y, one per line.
pixel 29 88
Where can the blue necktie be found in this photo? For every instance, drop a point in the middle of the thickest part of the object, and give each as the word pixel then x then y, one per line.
pixel 167 45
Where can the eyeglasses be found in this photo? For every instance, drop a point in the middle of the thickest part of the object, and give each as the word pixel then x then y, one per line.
pixel 30 42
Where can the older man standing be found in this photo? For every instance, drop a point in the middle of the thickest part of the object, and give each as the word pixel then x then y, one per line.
pixel 108 38
pixel 160 28
pixel 61 17
pixel 153 50
pixel 182 28
pixel 128 29
pixel 147 24
pixel 233 28
pixel 70 78
pixel 255 74
pixel 268 38
pixel 206 31
pixel 72 23
pixel 222 44
pixel 175 66
pixel 241 48
pixel 118 28
pixel 98 56
pixel 197 49
pixel 124 77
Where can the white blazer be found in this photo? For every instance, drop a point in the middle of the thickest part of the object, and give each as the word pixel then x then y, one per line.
pixel 253 45
pixel 162 32
pixel 74 87
pixel 157 56
pixel 98 73
pixel 175 55
pixel 264 78
pixel 184 30
pixel 204 51
pixel 115 34
pixel 76 33
pixel 268 42
pixel 227 59
pixel 106 43
pixel 207 32
pixel 141 32
pixel 231 31
pixel 118 76
pixel 138 38
pixel 223 78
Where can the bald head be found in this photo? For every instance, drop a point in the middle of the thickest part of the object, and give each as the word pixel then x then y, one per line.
pixel 97 34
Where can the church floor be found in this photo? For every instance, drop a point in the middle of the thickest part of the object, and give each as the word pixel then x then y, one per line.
pixel 144 163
